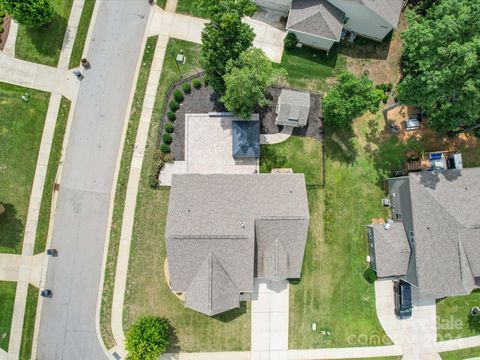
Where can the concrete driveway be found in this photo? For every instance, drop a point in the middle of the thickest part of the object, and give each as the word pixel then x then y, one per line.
pixel 270 320
pixel 417 335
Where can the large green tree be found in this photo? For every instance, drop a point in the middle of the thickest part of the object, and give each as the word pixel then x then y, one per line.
pixel 148 338
pixel 32 13
pixel 212 8
pixel 223 39
pixel 441 64
pixel 348 99
pixel 246 82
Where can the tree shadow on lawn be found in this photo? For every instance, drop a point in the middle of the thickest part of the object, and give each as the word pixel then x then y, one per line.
pixel 11 230
pixel 364 48
pixel 340 145
pixel 49 38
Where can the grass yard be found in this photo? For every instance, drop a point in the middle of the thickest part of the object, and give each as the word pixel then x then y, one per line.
pixel 121 190
pixel 147 290
pixel 82 31
pixel 43 45
pixel 190 7
pixel 461 354
pixel 7 299
pixel 21 127
pixel 332 291
pixel 453 317
pixel 53 163
pixel 29 323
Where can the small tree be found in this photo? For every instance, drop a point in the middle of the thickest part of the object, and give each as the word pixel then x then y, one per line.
pixel 349 99
pixel 148 338
pixel 290 41
pixel 247 80
pixel 223 39
pixel 212 8
pixel 32 13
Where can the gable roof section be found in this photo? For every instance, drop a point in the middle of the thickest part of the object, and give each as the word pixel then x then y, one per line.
pixel 316 17
pixel 246 139
pixel 392 251
pixel 212 291
pixel 446 221
pixel 387 9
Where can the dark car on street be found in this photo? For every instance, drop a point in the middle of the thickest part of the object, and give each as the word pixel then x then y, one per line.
pixel 403 299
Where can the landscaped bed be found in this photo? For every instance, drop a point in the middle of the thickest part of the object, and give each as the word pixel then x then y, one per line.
pixel 21 127
pixel 4 28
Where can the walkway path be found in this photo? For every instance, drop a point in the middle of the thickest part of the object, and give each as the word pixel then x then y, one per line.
pixel 131 196
pixel 270 320
pixel 9 48
pixel 12 266
pixel 269 139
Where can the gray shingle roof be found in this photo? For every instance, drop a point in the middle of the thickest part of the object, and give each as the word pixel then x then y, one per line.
pixel 446 221
pixel 246 139
pixel 316 17
pixel 293 108
pixel 392 251
pixel 218 215
pixel 212 291
pixel 387 9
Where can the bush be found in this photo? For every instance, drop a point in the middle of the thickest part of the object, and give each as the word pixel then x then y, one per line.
pixel 1 20
pixel 148 338
pixel 186 88
pixel 174 106
pixel 159 161
pixel 164 148
pixel 178 96
pixel 205 80
pixel 196 83
pixel 370 275
pixel 167 138
pixel 1 29
pixel 169 128
pixel 290 41
pixel 171 116
pixel 32 13
pixel 2 13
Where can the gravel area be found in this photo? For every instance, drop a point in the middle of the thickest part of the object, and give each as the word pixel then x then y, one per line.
pixel 204 100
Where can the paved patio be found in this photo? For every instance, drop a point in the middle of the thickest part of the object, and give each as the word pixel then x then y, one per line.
pixel 208 149
pixel 270 320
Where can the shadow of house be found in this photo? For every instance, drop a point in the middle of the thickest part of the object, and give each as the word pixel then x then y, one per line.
pixel 11 230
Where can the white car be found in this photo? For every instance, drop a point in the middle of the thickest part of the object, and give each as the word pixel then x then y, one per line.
pixel 412 124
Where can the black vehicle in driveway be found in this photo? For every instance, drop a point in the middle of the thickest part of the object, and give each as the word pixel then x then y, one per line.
pixel 403 299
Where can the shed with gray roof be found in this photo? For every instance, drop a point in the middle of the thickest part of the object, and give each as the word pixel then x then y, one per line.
pixel 293 108
pixel 225 230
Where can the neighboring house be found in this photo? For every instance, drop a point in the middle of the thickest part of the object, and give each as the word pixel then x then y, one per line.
pixel 225 230
pixel 434 240
pixel 319 23
pixel 293 108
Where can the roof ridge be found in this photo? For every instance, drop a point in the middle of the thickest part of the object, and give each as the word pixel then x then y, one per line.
pixel 194 237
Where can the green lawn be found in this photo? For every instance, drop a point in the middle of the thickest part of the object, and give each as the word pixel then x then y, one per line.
pixel 106 309
pixel 461 354
pixel 7 299
pixel 43 45
pixel 453 317
pixel 190 7
pixel 55 154
pixel 21 127
pixel 147 290
pixel 29 323
pixel 332 291
pixel 82 31
pixel 312 69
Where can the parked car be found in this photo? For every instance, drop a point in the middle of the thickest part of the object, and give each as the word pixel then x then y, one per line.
pixel 403 299
pixel 412 124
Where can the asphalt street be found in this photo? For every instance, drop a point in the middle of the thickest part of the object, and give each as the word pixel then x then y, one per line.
pixel 67 328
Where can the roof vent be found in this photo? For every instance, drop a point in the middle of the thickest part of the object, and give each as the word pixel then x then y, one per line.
pixel 242 223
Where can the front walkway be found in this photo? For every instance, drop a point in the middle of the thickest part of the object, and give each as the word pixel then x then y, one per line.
pixel 270 320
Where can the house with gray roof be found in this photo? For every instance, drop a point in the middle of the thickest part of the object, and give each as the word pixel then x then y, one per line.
pixel 434 240
pixel 293 108
pixel 319 23
pixel 225 230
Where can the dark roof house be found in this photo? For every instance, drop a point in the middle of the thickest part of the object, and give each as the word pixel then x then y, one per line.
pixel 225 230
pixel 439 218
